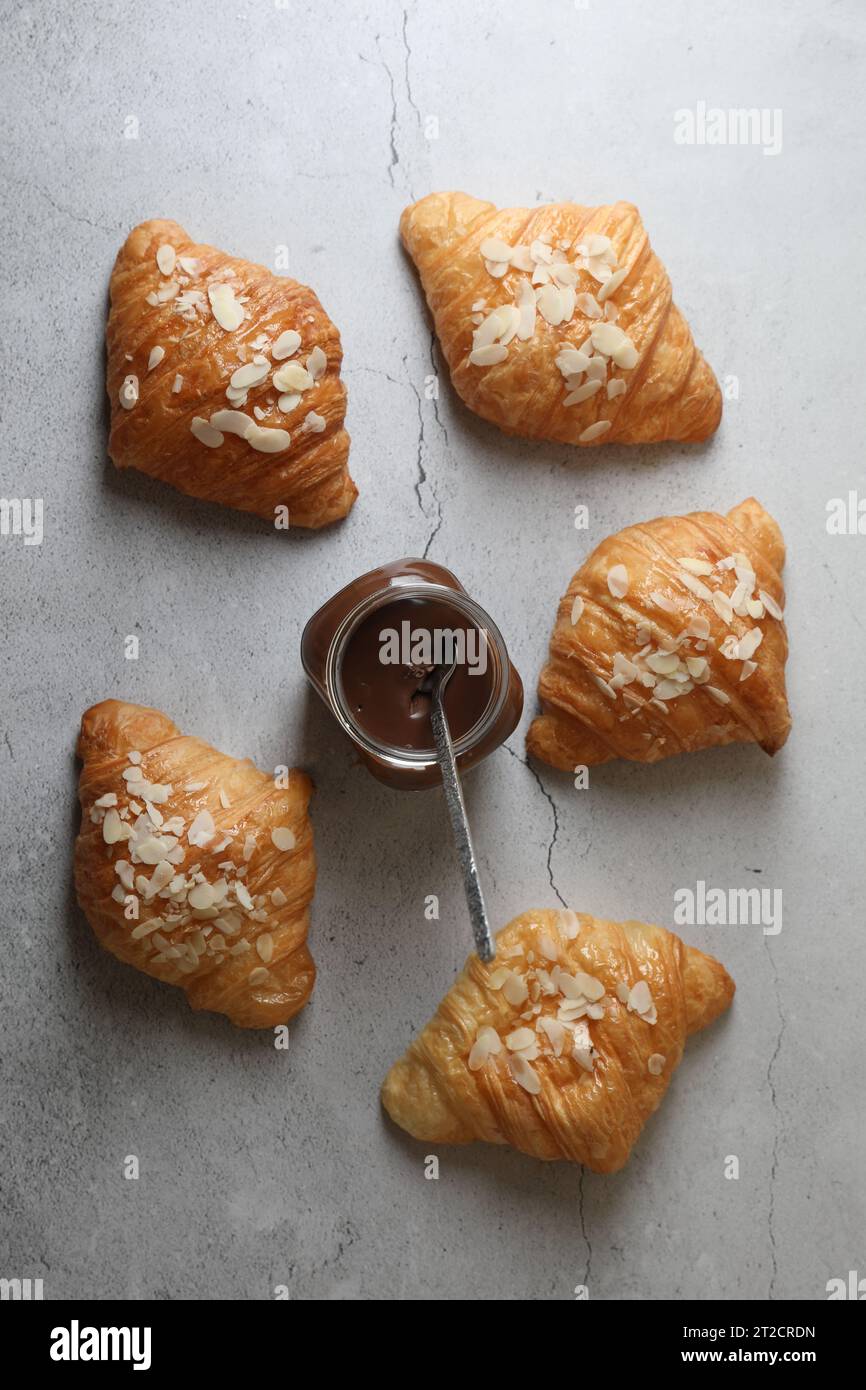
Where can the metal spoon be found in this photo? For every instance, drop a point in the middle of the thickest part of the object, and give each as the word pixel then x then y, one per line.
pixel 457 812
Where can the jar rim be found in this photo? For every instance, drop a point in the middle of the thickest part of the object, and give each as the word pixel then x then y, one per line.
pixel 398 589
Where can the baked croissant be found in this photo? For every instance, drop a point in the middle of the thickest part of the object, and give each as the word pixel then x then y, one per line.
pixel 564 1045
pixel 557 322
pixel 670 638
pixel 224 380
pixel 194 866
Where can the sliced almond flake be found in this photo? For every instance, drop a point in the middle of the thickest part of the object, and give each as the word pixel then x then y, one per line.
pixel 639 998
pixel 656 1064
pixel 617 581
pixel 243 895
pixel 577 610
pixel 626 355
pixel 754 608
pixel 521 258
pixel 515 989
pixel 569 924
pixel 718 695
pixel 250 374
pixel 177 384
pixel 589 986
pixel 697 666
pixel 259 975
pixel 611 285
pixel 663 662
pixel 313 423
pixel 551 305
pixel 165 259
pixel 128 394
pixel 288 402
pixel 496 268
pixel 541 251
pixel 722 604
pixel 607 337
pixel 571 361
pixel 189 264
pixel 156 355
pixel 108 799
pixel 770 604
pixel 488 356
pixel 225 308
pixel 694 586
pixel 520 1040
pixel 750 643
pixel 205 433
pixel 232 422
pixel 167 292
pixel 494 248
pixel 265 947
pixel 286 345
pixel 695 566
pixel 597 369
pixel 267 441
pixel 583 393
pixel 663 602
pixel 611 312
pixel 699 627
pixel 749 667
pixel 555 1032
pixel 317 364
pixel 282 837
pixel 616 388
pixel 589 306
pixel 523 1074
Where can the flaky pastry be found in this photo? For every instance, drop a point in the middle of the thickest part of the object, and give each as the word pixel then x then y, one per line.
pixel 557 322
pixel 194 866
pixel 564 1045
pixel 669 638
pixel 224 380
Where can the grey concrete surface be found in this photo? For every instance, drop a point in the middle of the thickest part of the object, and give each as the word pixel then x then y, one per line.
pixel 310 125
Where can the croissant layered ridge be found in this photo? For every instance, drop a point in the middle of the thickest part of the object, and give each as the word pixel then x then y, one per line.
pixel 670 638
pixel 194 866
pixel 224 380
pixel 564 1045
pixel 557 322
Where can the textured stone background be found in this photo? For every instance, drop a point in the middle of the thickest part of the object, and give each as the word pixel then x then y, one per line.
pixel 304 124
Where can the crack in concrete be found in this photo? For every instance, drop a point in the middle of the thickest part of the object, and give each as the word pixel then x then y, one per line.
pixel 423 478
pixel 771 1213
pixel 588 1269
pixel 392 133
pixel 73 216
pixel 549 799
pixel 408 55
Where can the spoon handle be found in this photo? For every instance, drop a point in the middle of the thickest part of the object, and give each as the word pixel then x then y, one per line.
pixel 460 828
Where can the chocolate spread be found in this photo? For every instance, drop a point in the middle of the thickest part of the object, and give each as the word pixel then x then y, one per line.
pixel 370 651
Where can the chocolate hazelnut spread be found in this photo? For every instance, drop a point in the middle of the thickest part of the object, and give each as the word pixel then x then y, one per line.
pixel 370 650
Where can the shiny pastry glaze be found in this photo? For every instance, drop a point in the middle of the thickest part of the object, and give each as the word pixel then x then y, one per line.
pixel 382 701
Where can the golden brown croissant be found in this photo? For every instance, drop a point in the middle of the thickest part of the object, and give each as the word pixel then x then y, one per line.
pixel 669 638
pixel 564 1045
pixel 224 380
pixel 557 322
pixel 194 866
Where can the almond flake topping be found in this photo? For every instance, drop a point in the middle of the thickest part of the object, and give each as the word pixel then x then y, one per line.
pixel 656 1064
pixel 225 308
pixel 205 433
pixel 286 345
pixel 617 581
pixel 156 355
pixel 282 837
pixel 165 259
pixel 128 395
pixel 577 610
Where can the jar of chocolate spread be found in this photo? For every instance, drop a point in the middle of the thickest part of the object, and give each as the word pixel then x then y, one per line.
pixel 369 652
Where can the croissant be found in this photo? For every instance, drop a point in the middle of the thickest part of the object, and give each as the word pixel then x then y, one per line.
pixel 195 867
pixel 557 322
pixel 224 380
pixel 670 638
pixel 564 1045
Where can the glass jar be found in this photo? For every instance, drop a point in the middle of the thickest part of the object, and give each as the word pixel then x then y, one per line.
pixel 328 654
